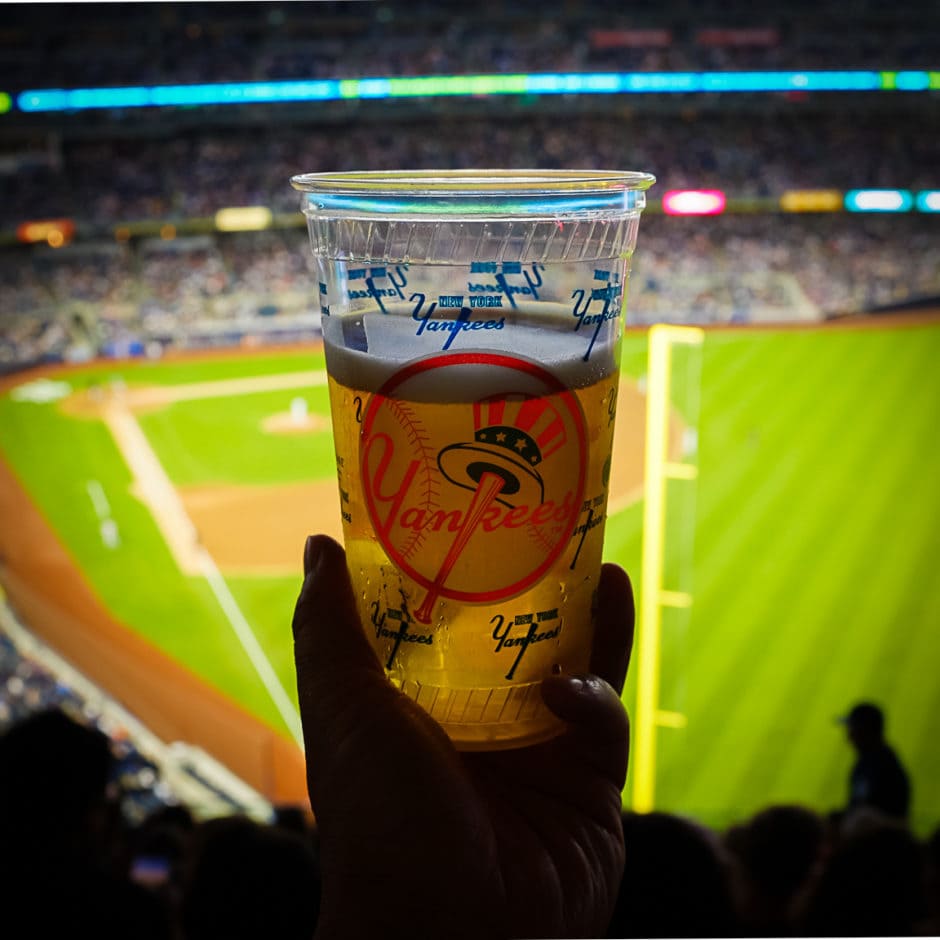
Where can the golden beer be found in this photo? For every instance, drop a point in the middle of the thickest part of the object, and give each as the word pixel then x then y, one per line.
pixel 473 486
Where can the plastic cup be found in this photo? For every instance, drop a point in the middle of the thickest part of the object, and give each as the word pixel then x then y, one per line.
pixel 472 325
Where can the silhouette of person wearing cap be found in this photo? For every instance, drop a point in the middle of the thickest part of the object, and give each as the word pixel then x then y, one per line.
pixel 878 780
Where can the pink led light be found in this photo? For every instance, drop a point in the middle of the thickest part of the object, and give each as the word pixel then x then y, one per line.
pixel 693 202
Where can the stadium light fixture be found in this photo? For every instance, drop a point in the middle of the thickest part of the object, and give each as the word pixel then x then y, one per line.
pixel 694 202
pixel 56 232
pixel 811 200
pixel 928 200
pixel 878 200
pixel 243 219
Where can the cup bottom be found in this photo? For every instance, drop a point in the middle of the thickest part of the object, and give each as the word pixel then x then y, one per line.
pixel 490 719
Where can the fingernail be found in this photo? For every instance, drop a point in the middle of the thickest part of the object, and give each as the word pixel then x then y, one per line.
pixel 575 684
pixel 311 555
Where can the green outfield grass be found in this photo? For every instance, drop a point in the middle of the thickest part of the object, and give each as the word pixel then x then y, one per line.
pixel 809 544
pixel 813 571
pixel 197 440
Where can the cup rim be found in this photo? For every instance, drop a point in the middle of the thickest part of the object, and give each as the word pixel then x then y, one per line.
pixel 492 182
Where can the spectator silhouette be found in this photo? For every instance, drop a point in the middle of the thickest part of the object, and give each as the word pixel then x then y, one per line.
pixel 158 849
pixel 61 864
pixel 775 852
pixel 247 880
pixel 878 780
pixel 872 884
pixel 294 819
pixel 676 881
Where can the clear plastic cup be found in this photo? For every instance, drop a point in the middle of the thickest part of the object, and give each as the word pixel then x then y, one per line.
pixel 472 324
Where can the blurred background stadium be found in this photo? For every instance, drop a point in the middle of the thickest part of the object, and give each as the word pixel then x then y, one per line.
pixel 146 217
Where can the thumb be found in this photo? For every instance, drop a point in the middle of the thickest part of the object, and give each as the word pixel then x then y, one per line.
pixel 334 662
pixel 327 631
pixel 598 728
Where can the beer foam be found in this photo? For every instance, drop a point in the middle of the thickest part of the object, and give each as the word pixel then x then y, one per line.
pixel 364 351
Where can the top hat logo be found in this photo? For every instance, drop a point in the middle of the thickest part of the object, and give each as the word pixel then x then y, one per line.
pixel 512 435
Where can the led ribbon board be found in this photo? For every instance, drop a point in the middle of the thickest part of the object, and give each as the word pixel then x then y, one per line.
pixel 428 86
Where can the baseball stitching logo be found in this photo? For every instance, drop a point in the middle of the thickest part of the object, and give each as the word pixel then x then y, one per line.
pixel 502 471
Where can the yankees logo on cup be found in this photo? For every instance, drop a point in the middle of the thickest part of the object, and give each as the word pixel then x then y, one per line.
pixel 475 503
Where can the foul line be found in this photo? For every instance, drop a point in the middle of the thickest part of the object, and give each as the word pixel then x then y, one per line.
pixel 252 647
pixel 157 493
pixel 98 499
pixel 154 489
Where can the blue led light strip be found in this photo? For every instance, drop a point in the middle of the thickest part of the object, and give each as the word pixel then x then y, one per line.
pixel 79 99
pixel 554 83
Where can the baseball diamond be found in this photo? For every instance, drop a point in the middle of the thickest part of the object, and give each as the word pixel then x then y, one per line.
pixel 155 511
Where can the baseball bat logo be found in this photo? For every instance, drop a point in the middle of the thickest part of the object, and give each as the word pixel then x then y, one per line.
pixel 501 473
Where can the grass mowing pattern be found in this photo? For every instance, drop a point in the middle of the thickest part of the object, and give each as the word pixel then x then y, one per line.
pixel 814 570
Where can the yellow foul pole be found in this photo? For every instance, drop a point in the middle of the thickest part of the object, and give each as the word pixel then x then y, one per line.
pixel 652 595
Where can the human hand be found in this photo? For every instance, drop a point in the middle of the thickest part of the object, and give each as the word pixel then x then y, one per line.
pixel 420 840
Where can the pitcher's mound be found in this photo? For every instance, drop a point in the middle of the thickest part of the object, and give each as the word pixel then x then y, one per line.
pixel 289 423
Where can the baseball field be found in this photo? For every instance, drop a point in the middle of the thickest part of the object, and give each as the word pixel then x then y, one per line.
pixel 163 505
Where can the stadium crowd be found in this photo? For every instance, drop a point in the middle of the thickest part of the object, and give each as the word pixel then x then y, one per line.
pixel 114 291
pixel 27 688
pixel 106 299
pixel 74 859
pixel 175 42
pixel 122 180
pixel 111 292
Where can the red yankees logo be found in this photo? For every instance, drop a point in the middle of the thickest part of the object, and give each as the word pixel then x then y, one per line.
pixel 500 467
